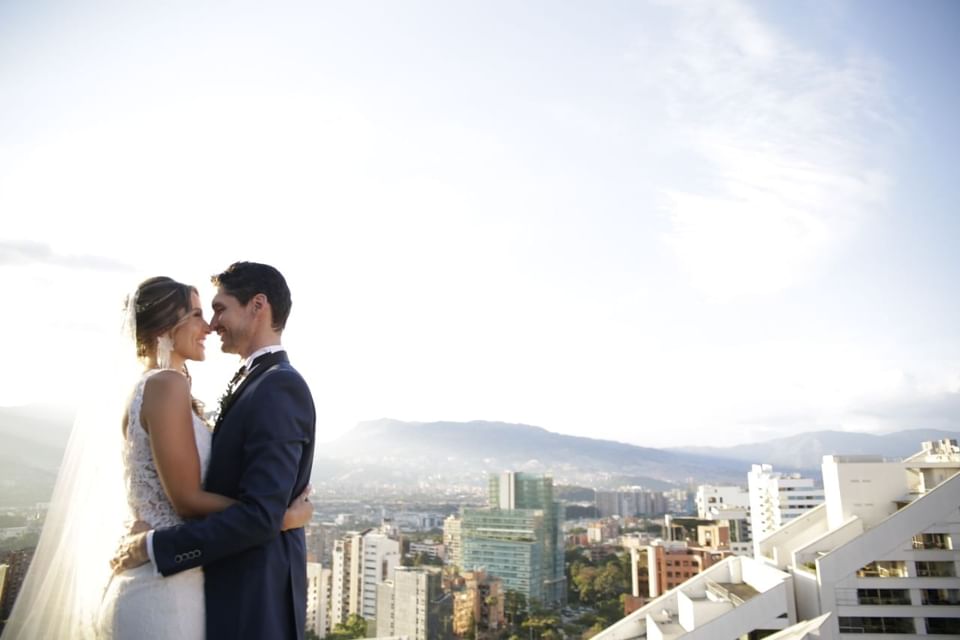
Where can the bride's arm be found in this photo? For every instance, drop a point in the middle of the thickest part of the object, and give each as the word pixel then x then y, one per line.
pixel 168 414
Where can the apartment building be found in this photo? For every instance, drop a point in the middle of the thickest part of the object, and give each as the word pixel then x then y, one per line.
pixel 878 558
pixel 412 604
pixel 777 498
pixel 361 561
pixel 882 554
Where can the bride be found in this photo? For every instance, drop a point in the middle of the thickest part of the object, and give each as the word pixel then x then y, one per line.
pixel 68 591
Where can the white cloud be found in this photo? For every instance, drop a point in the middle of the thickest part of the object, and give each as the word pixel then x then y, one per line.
pixel 783 139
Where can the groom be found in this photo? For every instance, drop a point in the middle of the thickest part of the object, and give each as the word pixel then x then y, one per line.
pixel 254 574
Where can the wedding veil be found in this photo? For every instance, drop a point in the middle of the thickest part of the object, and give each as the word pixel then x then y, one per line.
pixel 88 513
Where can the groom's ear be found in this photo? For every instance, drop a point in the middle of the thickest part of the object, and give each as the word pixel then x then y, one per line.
pixel 259 302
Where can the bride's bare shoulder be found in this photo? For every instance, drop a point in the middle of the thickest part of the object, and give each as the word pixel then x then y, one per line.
pixel 166 384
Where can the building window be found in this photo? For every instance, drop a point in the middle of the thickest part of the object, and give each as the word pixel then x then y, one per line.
pixel 943 625
pixel 883 596
pixel 932 541
pixel 940 596
pixel 935 569
pixel 884 569
pixel 876 625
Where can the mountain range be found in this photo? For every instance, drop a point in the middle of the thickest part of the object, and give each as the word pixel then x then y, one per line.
pixel 31 447
pixel 394 452
pixel 385 451
pixel 388 452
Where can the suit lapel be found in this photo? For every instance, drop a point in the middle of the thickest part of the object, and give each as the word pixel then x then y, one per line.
pixel 259 366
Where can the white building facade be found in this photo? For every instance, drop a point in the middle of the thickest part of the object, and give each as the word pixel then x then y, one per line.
pixel 711 499
pixel 883 553
pixel 879 558
pixel 412 604
pixel 318 599
pixel 453 540
pixel 361 561
pixel 777 498
pixel 731 504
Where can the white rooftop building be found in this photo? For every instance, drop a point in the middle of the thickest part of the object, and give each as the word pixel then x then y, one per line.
pixel 883 552
pixel 728 600
pixel 879 558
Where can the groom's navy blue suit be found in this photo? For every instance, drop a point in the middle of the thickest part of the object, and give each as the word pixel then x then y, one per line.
pixel 254 574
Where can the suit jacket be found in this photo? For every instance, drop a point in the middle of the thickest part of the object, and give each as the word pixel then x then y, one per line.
pixel 254 574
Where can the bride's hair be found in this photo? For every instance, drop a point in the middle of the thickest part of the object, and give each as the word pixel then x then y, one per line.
pixel 160 303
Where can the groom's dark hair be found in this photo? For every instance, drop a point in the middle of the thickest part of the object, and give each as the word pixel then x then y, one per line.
pixel 243 280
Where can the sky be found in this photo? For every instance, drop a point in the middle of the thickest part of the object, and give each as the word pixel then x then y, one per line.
pixel 662 223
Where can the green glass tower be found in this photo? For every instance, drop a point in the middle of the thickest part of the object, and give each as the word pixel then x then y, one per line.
pixel 518 537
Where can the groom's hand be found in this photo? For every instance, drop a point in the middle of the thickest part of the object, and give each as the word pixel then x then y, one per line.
pixel 131 553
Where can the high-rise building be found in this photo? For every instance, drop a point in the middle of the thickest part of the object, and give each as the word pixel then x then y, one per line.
pixel 777 498
pixel 453 540
pixel 629 502
pixel 318 599
pixel 3 583
pixel 413 605
pixel 361 561
pixel 17 564
pixel 519 537
pixel 344 599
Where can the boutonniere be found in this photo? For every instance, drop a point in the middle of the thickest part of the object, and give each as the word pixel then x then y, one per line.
pixel 227 396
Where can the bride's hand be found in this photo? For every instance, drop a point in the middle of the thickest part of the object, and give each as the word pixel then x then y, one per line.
pixel 138 526
pixel 131 553
pixel 299 512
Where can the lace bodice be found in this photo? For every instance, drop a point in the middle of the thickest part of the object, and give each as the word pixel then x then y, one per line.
pixel 145 495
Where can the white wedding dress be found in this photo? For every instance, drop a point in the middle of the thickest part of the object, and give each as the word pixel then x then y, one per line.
pixel 141 603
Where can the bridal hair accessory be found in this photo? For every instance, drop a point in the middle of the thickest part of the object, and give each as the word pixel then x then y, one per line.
pixel 164 349
pixel 137 306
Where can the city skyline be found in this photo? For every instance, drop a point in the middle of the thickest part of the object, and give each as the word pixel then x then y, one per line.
pixel 658 223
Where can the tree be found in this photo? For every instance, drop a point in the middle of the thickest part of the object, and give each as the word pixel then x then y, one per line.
pixel 582 577
pixel 542 624
pixel 608 582
pixel 354 627
pixel 471 632
pixel 515 608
